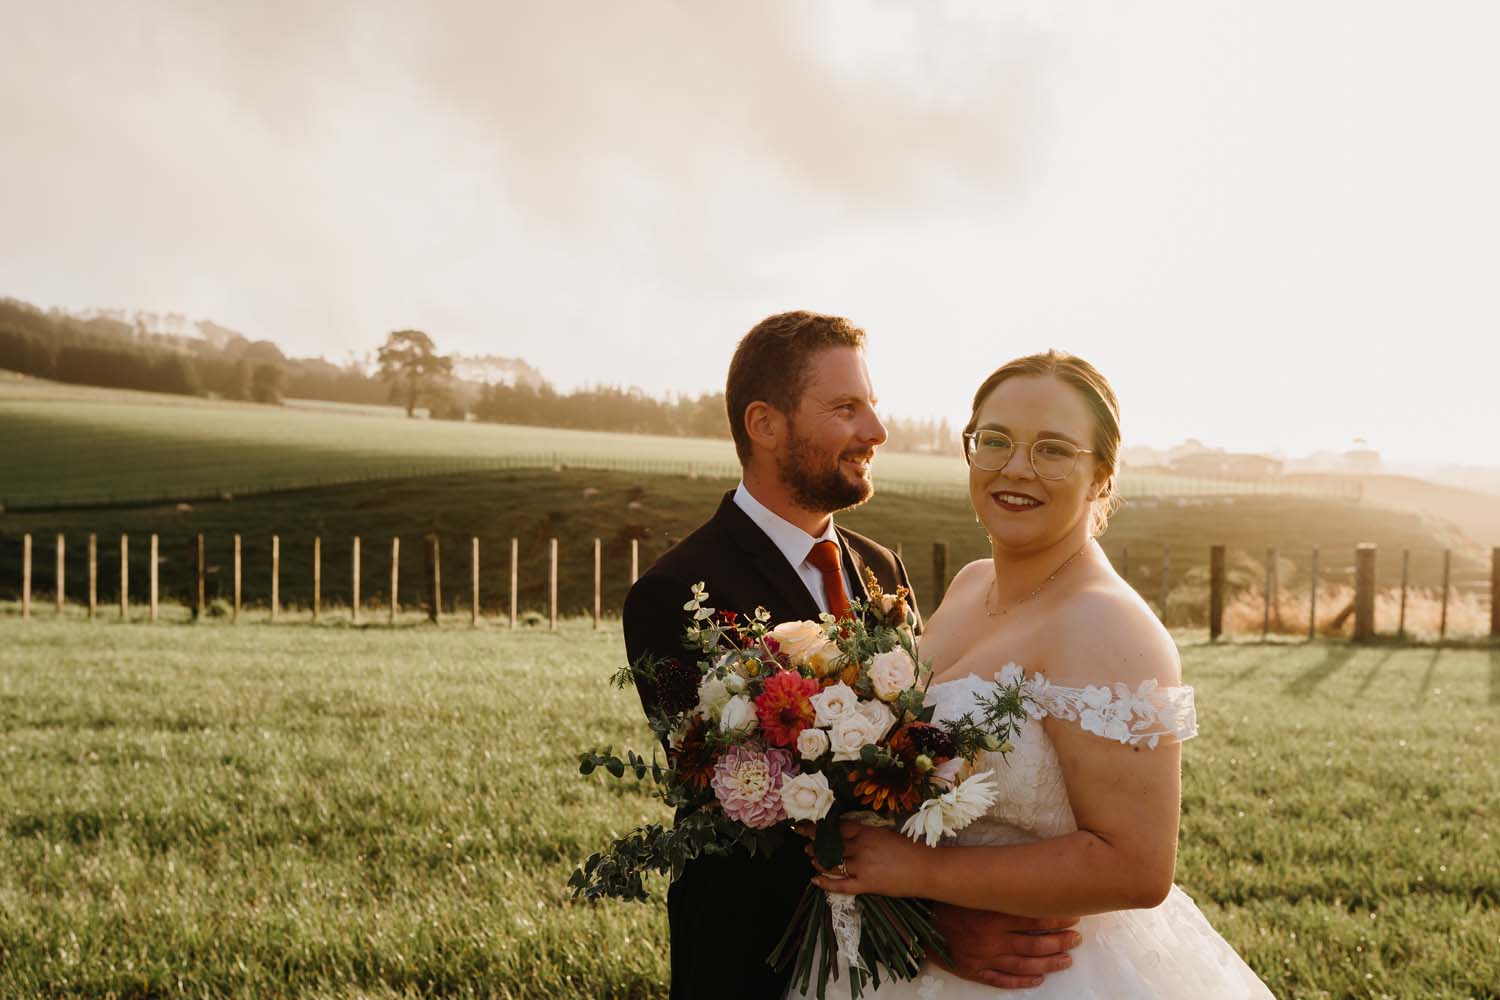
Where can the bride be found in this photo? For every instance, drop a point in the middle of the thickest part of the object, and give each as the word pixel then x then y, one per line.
pixel 1086 822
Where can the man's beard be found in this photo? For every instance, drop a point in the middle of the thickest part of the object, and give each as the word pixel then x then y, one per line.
pixel 815 487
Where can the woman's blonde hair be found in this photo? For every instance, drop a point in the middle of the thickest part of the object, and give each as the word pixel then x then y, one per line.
pixel 1096 392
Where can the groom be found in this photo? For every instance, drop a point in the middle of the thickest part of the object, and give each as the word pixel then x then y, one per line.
pixel 802 413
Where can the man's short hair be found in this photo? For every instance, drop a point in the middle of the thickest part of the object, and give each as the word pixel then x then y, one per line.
pixel 771 364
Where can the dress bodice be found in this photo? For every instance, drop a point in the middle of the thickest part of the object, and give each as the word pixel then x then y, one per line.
pixel 1033 802
pixel 1165 952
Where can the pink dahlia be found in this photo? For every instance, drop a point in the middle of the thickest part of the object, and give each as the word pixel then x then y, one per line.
pixel 748 784
pixel 785 707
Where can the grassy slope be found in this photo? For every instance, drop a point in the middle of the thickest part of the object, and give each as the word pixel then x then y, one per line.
pixel 77 444
pixel 537 505
pixel 341 813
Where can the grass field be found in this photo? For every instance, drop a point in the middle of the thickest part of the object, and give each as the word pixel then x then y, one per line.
pixel 73 445
pixel 380 813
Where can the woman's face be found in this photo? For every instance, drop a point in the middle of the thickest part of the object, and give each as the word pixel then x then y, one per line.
pixel 1021 510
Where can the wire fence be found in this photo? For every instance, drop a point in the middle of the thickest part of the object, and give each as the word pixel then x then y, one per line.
pixel 1411 594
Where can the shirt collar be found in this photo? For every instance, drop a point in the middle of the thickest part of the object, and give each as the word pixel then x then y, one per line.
pixel 792 541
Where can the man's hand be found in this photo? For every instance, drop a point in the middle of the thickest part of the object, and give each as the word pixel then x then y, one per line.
pixel 1000 950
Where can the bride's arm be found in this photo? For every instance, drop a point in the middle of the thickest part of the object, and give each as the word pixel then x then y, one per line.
pixel 1125 799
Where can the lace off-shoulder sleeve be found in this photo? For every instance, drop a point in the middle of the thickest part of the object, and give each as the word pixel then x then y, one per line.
pixel 1144 715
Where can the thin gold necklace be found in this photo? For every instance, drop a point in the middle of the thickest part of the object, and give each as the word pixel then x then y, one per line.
pixel 994 585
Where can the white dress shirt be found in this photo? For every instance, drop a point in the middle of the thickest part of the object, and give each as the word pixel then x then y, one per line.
pixel 794 544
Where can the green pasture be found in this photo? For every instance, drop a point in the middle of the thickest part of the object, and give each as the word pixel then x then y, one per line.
pixel 204 811
pixel 70 445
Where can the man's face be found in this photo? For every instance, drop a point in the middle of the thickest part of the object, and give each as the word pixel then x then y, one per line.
pixel 832 436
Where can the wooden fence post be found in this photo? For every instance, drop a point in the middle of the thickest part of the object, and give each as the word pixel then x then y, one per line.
pixel 1405 573
pixel 1447 580
pixel 939 571
pixel 1364 592
pixel 1265 624
pixel 395 574
pixel 62 567
pixel 433 556
pixel 552 587
pixel 317 577
pixel 238 581
pixel 124 577
pixel 1215 592
pixel 1312 598
pixel 202 572
pixel 93 575
pixel 515 555
pixel 1166 580
pixel 635 560
pixel 474 580
pixel 275 576
pixel 26 575
pixel 598 572
pixel 354 571
pixel 1495 593
pixel 154 576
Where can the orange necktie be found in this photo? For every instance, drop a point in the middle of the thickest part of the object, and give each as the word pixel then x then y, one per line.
pixel 825 556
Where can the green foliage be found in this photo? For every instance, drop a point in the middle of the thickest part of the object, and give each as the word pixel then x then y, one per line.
pixel 267 383
pixel 415 371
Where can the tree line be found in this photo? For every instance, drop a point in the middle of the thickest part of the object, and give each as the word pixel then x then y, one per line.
pixel 114 353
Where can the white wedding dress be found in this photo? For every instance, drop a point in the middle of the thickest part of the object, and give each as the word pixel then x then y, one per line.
pixel 1169 951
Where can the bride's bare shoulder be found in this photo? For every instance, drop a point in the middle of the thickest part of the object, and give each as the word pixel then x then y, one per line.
pixel 978 571
pixel 1106 634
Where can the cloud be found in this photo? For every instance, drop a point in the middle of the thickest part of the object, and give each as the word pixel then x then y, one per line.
pixel 328 170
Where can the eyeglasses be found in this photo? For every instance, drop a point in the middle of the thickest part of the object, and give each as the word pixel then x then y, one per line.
pixel 1050 458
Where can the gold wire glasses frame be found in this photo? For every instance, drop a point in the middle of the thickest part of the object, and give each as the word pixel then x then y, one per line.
pixel 1050 458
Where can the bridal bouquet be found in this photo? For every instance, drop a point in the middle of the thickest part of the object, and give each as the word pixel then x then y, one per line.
pixel 777 731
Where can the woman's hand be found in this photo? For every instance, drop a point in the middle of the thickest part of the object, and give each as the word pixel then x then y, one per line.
pixel 877 860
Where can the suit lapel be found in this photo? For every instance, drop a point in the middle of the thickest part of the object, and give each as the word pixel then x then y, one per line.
pixel 766 560
pixel 854 568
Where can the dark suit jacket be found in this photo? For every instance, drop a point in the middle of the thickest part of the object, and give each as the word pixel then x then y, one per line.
pixel 727 913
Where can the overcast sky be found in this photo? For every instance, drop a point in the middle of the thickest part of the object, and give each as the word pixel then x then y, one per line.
pixel 1272 225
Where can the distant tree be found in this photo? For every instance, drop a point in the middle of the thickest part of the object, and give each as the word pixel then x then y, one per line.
pixel 267 383
pixel 410 363
pixel 241 381
pixel 263 352
pixel 176 373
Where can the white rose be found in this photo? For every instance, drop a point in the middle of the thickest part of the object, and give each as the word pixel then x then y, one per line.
pixel 734 683
pixel 797 639
pixel 812 743
pixel 850 733
pixel 892 673
pixel 738 716
pixel 880 717
pixel 807 796
pixel 825 659
pixel 833 703
pixel 712 694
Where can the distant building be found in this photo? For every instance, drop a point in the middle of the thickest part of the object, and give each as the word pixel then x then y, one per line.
pixel 1227 465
